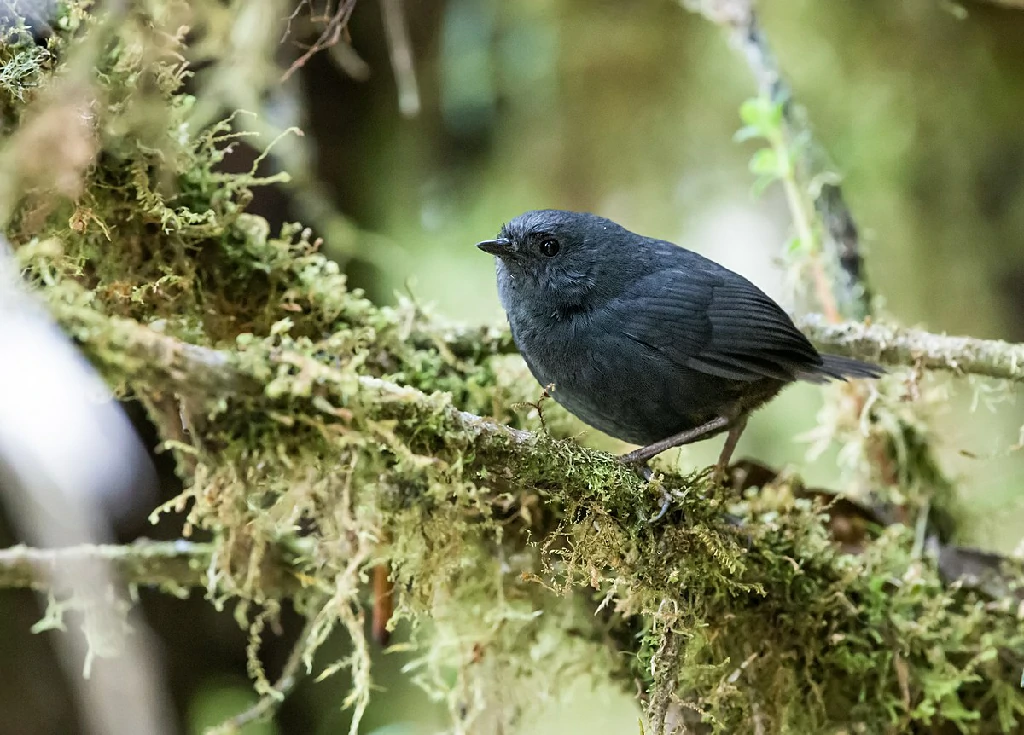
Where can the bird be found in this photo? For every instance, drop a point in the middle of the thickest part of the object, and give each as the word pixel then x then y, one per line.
pixel 644 340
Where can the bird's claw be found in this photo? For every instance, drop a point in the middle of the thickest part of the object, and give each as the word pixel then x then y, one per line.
pixel 642 469
pixel 666 501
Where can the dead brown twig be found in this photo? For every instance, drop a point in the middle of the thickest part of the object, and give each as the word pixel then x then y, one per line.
pixel 335 21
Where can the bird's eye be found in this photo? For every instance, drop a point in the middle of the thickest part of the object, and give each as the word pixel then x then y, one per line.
pixel 549 247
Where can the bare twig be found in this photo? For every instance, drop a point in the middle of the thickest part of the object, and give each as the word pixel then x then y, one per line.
pixel 844 237
pixel 169 564
pixel 335 24
pixel 400 49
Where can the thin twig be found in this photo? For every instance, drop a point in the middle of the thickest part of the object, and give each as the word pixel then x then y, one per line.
pixel 844 237
pixel 291 674
pixel 397 32
pixel 805 231
pixel 333 33
pixel 172 564
pixel 851 294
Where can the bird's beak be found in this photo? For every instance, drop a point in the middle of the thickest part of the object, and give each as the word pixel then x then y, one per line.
pixel 500 247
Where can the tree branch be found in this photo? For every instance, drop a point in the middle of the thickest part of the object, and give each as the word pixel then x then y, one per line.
pixel 780 570
pixel 177 564
pixel 888 344
pixel 127 350
pixel 914 347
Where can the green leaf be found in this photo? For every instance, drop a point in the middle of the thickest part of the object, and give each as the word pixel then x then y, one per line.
pixel 765 162
pixel 746 133
pixel 752 111
pixel 761 115
pixel 794 245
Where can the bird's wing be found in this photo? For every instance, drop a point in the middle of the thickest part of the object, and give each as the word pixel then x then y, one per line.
pixel 715 321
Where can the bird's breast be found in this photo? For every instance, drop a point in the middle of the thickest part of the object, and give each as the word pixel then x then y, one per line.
pixel 623 388
pixel 596 374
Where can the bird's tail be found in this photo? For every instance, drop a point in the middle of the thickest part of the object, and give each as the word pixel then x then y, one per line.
pixel 834 367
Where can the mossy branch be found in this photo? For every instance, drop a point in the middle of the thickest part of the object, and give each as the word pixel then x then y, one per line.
pixel 164 564
pixel 140 355
pixel 893 345
pixel 724 588
pixel 465 342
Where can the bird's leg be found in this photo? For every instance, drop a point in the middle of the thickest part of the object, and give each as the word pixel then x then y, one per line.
pixel 638 457
pixel 735 431
pixel 643 469
pixel 641 455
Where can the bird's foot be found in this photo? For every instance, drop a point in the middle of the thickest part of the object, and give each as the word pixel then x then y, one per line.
pixel 644 471
pixel 639 465
pixel 720 474
pixel 641 468
pixel 666 503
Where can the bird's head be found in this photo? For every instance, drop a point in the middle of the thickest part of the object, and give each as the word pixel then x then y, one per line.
pixel 558 259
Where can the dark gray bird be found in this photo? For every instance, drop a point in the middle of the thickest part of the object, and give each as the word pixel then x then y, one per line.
pixel 649 342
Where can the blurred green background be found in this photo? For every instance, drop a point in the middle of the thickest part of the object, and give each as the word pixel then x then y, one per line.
pixel 627 108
